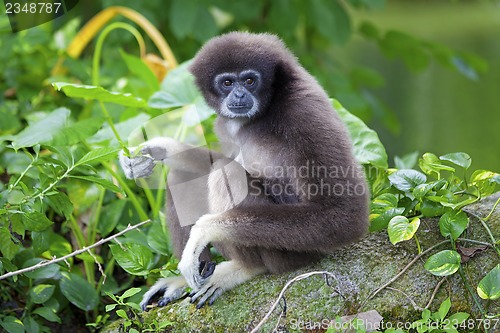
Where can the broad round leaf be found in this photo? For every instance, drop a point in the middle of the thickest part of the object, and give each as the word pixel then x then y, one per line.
pixel 453 224
pixel 460 159
pixel 367 146
pixel 12 324
pixel 489 286
pixel 78 291
pixel 134 258
pixel 45 272
pixel 41 293
pixel 443 263
pixel 400 229
pixel 407 179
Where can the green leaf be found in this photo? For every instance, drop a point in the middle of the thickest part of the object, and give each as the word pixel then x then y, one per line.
pixel 408 161
pixel 41 293
pixel 134 258
pixel 36 221
pixel 367 146
pixel 178 89
pixel 124 129
pixel 130 292
pixel 380 221
pixel 98 155
pixel 77 132
pixel 110 307
pixel 7 245
pixel 407 179
pixel 31 325
pixel 98 93
pixel 48 314
pixel 489 286
pixel 283 16
pixel 485 181
pixel 453 223
pixel 443 263
pixel 101 181
pixel 400 229
pixel 139 68
pixel 43 130
pixel 432 209
pixel 444 308
pixel 12 324
pixel 458 318
pixel 158 238
pixel 121 313
pixel 430 163
pixel 46 272
pixel 461 159
pixel 61 204
pixel 110 217
pixel 183 17
pixel 79 292
pixel 331 20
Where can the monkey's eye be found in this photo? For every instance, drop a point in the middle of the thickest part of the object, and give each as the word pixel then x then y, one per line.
pixel 227 83
pixel 249 81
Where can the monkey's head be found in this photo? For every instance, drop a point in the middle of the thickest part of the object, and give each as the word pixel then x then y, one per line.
pixel 238 72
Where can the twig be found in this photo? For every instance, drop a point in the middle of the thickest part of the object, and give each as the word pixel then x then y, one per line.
pixel 402 272
pixel 415 306
pixel 435 292
pixel 86 248
pixel 280 296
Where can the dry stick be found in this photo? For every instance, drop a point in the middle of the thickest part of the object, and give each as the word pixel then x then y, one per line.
pixel 280 296
pixel 435 292
pixel 56 260
pixel 402 272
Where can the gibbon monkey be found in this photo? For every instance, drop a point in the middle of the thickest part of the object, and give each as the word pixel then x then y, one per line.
pixel 302 194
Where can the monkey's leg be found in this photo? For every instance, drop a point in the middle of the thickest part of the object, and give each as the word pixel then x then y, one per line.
pixel 226 276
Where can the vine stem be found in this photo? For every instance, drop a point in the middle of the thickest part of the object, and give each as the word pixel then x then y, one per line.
pixel 374 293
pixel 72 254
pixel 95 67
pixel 280 296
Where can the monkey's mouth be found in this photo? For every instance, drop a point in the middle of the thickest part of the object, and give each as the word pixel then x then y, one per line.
pixel 240 107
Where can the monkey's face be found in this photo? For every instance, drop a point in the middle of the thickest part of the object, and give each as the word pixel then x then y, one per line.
pixel 238 93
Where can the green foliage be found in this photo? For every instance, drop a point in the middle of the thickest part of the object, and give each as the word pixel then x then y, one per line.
pixel 129 312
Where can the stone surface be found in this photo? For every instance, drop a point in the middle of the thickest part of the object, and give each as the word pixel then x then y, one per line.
pixel 359 270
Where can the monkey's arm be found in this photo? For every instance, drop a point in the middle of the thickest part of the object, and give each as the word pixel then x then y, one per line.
pixel 301 228
pixel 169 151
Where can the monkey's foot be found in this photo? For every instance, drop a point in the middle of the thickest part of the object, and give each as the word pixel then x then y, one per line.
pixel 226 276
pixel 164 291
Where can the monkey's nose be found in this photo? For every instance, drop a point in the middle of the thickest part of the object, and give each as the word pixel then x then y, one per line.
pixel 239 93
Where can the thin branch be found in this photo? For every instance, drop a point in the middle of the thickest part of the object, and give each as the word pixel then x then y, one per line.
pixel 77 252
pixel 280 296
pixel 374 293
pixel 415 306
pixel 435 292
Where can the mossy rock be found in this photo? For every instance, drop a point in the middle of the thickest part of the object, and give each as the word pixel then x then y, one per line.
pixel 359 270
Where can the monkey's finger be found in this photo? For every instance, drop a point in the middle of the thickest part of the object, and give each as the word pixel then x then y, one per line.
pixel 215 295
pixel 205 297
